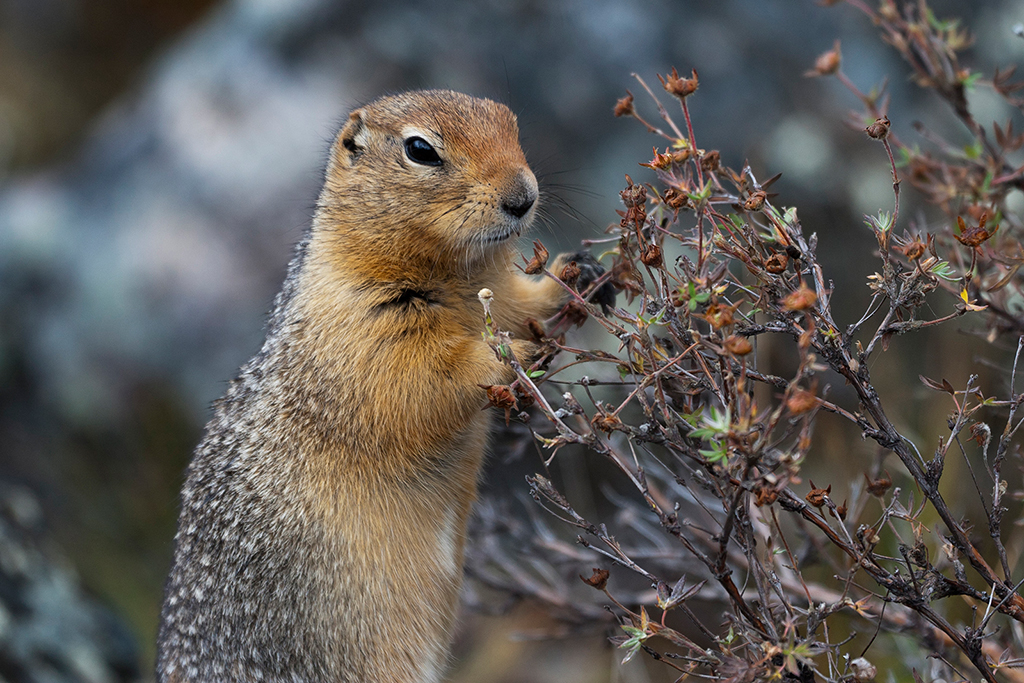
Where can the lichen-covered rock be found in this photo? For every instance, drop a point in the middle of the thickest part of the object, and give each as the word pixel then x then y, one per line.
pixel 50 630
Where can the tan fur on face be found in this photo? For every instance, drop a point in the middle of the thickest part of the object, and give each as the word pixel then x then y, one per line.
pixel 426 221
pixel 323 517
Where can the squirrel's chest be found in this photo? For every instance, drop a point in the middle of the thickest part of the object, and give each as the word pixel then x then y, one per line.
pixel 396 565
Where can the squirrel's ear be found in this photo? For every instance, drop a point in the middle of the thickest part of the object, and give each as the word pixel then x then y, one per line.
pixel 353 136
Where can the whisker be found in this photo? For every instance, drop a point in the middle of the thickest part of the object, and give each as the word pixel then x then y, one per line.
pixel 547 222
pixel 576 189
pixel 568 210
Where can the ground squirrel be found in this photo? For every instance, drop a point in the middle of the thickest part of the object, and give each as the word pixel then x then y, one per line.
pixel 323 515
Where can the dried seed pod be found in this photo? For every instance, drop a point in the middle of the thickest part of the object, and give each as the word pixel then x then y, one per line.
pixel 679 87
pixel 738 346
pixel 576 313
pixel 755 201
pixel 633 195
pixel 676 199
pixel 679 297
pixel 776 263
pixel 719 315
pixel 651 256
pixel 827 63
pixel 711 161
pixel 681 156
pixel 801 401
pixel 624 107
pixel 817 497
pixel 914 249
pixel 525 399
pixel 879 130
pixel 501 396
pixel 570 273
pixel 973 236
pixel 599 579
pixel 867 536
pixel 863 670
pixel 607 422
pixel 878 487
pixel 660 162
pixel 800 300
pixel 765 496
pixel 539 260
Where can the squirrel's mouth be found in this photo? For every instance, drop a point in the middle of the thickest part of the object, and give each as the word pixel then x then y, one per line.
pixel 502 235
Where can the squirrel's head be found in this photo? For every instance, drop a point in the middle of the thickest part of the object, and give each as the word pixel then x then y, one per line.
pixel 433 173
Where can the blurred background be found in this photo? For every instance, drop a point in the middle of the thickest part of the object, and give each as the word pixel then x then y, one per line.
pixel 159 159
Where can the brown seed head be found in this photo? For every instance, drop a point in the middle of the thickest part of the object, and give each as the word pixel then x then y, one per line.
pixel 719 315
pixel 975 235
pixel 801 401
pixel 570 273
pixel 879 130
pixel 681 156
pixel 827 63
pixel 623 280
pixel 676 199
pixel 539 260
pixel 679 87
pixel 816 496
pixel 576 313
pixel 765 496
pixel 914 249
pixel 800 300
pixel 634 195
pixel 868 537
pixel 607 422
pixel 738 346
pixel 624 107
pixel 525 399
pixel 711 161
pixel 660 162
pixel 679 297
pixel 878 487
pixel 755 201
pixel 599 579
pixel 777 263
pixel 651 256
pixel 981 433
pixel 501 396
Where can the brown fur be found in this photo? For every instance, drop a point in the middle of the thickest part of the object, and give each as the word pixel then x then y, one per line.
pixel 323 516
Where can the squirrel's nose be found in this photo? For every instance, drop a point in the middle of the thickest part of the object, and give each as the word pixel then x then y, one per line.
pixel 518 207
pixel 521 197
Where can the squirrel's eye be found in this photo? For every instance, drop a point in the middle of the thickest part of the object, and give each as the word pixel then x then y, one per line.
pixel 421 151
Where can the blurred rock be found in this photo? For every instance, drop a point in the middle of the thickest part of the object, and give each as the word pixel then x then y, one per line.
pixel 61 61
pixel 50 631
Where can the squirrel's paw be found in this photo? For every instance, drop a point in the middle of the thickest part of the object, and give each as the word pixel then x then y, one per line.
pixel 525 351
pixel 590 270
